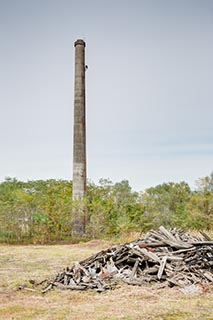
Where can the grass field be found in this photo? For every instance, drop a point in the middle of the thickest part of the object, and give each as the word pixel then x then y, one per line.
pixel 18 264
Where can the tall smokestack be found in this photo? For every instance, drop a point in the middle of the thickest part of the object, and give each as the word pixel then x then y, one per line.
pixel 79 141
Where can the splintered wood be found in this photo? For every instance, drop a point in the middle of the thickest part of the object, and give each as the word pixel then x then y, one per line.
pixel 170 257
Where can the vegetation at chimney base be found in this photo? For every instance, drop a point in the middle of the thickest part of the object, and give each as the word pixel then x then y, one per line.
pixel 41 211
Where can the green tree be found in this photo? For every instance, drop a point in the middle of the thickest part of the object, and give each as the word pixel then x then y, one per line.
pixel 200 205
pixel 35 211
pixel 112 209
pixel 165 205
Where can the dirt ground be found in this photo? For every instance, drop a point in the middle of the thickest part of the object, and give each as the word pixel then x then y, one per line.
pixel 19 264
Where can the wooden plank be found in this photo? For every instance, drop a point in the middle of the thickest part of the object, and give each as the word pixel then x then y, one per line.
pixel 134 270
pixel 205 236
pixel 174 258
pixel 162 266
pixel 152 270
pixel 167 234
pixel 202 243
pixel 150 255
pixel 208 276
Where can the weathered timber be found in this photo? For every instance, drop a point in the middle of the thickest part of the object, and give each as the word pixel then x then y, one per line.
pixel 134 269
pixel 162 266
pixel 172 257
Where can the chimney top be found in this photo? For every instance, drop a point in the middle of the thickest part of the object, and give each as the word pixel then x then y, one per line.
pixel 80 42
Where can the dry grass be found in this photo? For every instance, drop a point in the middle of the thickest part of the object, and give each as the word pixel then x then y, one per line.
pixel 18 264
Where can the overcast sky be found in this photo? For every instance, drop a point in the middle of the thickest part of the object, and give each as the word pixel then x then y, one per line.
pixel 149 89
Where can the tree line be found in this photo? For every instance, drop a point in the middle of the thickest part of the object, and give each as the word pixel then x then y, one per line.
pixel 41 211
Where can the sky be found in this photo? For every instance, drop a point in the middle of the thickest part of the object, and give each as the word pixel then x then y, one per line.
pixel 149 89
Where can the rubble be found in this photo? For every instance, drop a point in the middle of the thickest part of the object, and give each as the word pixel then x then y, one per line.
pixel 168 257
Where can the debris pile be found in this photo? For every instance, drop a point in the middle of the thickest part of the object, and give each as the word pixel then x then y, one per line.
pixel 170 257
